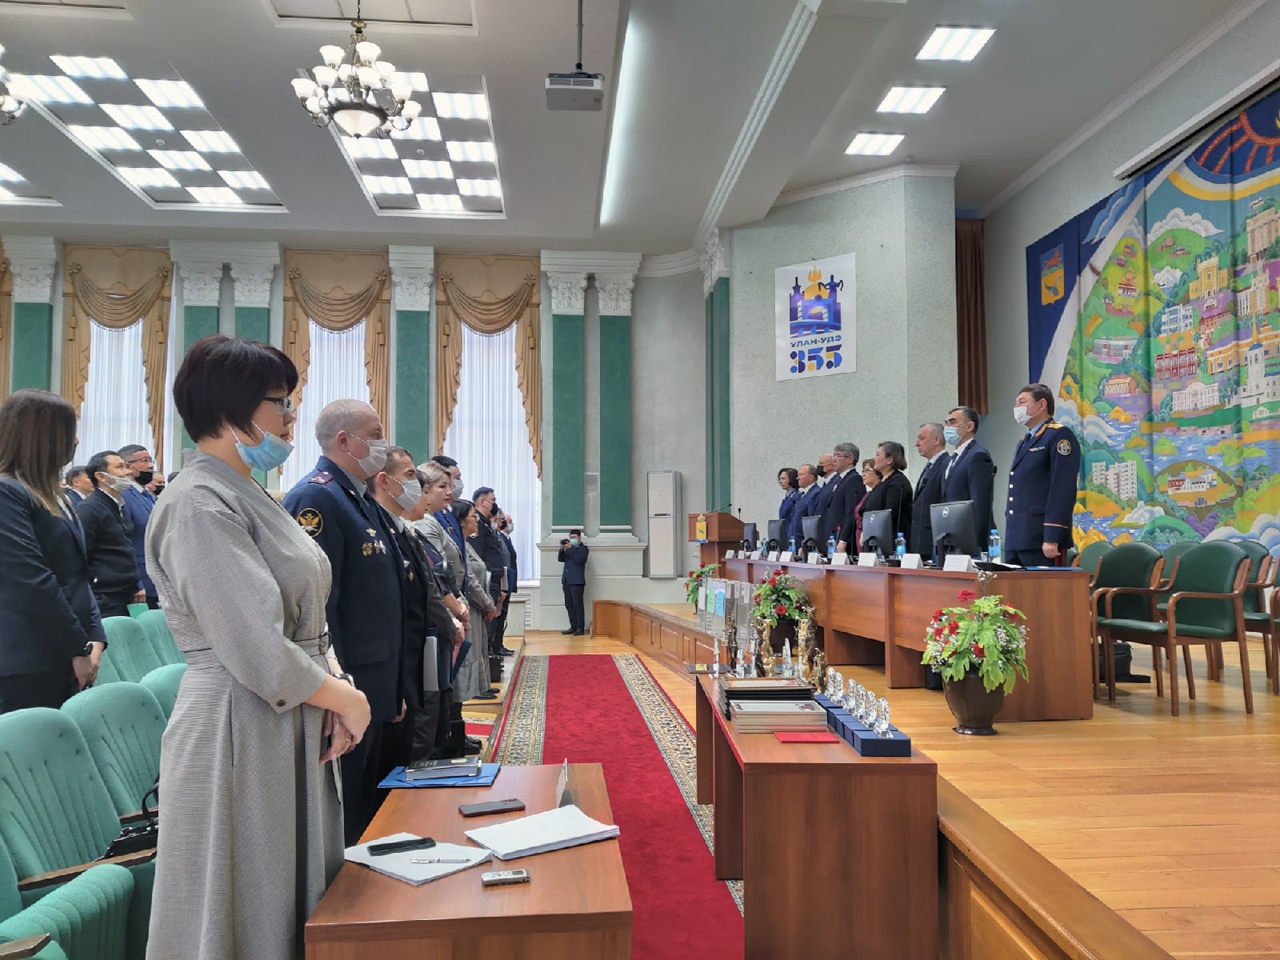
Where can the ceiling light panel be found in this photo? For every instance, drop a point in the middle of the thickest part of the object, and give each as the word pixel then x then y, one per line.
pixel 154 133
pixel 955 43
pixel 874 144
pixel 10 175
pixel 446 160
pixel 910 99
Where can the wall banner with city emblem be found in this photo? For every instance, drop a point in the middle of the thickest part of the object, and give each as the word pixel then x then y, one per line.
pixel 1156 316
pixel 814 317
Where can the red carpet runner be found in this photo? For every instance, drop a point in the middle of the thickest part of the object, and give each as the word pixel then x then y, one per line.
pixel 681 910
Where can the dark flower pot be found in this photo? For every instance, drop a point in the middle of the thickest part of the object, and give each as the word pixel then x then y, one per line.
pixel 973 705
pixel 784 632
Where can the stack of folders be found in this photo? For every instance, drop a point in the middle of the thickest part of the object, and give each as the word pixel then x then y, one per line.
pixel 541 833
pixel 769 716
pixel 774 689
pixel 436 769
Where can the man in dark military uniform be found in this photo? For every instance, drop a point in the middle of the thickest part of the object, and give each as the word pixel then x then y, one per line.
pixel 366 606
pixel 1043 480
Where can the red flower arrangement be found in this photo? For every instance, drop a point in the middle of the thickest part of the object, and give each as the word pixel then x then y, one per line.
pixel 987 636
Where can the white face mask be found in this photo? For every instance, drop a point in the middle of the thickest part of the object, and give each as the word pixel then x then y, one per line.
pixel 118 484
pixel 1020 414
pixel 412 490
pixel 457 490
pixel 376 458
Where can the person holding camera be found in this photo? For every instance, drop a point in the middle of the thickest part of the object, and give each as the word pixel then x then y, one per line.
pixel 573 580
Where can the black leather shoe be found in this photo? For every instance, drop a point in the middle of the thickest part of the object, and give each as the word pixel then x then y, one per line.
pixel 506 653
pixel 579 633
pixel 567 632
pixel 490 694
pixel 472 745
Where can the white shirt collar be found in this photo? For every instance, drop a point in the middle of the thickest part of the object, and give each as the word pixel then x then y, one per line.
pixel 934 458
pixel 960 449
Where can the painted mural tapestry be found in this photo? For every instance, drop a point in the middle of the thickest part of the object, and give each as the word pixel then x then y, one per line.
pixel 1157 312
pixel 814 318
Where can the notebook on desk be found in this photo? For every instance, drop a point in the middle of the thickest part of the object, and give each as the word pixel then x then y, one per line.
pixel 555 829
pixel 446 858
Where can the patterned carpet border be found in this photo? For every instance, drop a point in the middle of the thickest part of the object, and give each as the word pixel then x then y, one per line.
pixel 524 726
pixel 676 742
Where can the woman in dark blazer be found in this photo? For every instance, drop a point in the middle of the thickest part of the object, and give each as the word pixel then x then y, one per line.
pixel 893 492
pixel 51 636
pixel 789 481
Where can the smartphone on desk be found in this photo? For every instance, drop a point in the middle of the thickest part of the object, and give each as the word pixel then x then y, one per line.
pixel 489 807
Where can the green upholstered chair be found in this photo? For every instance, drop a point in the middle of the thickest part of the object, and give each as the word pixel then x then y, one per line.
pixel 87 917
pixel 1266 622
pixel 163 682
pixel 1073 557
pixel 1091 555
pixel 1127 565
pixel 1172 553
pixel 129 649
pixel 122 723
pixel 161 637
pixel 1205 607
pixel 57 816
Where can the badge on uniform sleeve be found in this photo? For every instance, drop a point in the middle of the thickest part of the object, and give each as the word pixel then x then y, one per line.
pixel 311 522
pixel 1064 447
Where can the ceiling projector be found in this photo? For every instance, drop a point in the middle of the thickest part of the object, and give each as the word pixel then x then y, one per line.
pixel 575 91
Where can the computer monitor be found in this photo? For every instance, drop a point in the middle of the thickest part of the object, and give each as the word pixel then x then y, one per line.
pixel 811 533
pixel 953 530
pixel 749 536
pixel 877 532
pixel 777 535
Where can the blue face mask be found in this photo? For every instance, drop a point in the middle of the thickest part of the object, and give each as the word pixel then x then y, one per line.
pixel 951 435
pixel 269 453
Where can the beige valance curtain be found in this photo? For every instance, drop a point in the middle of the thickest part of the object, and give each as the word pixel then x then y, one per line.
pixel 338 290
pixel 116 287
pixel 6 324
pixel 489 294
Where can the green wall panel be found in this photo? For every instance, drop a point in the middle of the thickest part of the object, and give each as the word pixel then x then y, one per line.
pixel 32 346
pixel 413 381
pixel 197 322
pixel 254 323
pixel 615 421
pixel 568 413
pixel 718 410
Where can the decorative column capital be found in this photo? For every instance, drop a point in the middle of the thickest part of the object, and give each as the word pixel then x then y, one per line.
pixel 201 284
pixel 615 295
pixel 413 270
pixel 32 261
pixel 568 292
pixel 252 283
pixel 714 260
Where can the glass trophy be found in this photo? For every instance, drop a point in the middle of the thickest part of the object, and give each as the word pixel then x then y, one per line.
pixel 882 719
pixel 869 708
pixel 787 666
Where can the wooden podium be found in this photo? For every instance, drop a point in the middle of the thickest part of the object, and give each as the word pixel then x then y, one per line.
pixel 724 532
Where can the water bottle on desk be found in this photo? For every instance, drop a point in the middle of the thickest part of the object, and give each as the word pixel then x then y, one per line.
pixel 993 547
pixel 792 547
pixel 831 547
pixel 900 547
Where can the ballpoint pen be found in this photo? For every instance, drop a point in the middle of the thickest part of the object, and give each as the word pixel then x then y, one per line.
pixel 441 860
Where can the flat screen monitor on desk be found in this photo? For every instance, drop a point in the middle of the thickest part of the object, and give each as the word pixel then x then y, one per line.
pixel 749 536
pixel 810 530
pixel 953 530
pixel 877 532
pixel 777 535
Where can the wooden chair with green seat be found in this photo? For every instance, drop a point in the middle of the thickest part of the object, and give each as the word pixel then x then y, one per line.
pixel 1128 565
pixel 1172 553
pixel 1092 555
pixel 1254 605
pixel 1267 622
pixel 1205 608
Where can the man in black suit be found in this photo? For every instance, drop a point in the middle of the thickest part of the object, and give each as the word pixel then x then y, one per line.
pixel 573 580
pixel 490 549
pixel 843 491
pixel 970 475
pixel 505 528
pixel 807 504
pixel 108 536
pixel 78 484
pixel 930 445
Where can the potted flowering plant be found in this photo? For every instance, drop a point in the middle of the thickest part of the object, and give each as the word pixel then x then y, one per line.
pixel 979 648
pixel 695 579
pixel 781 602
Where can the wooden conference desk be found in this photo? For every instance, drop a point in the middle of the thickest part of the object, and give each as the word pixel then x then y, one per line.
pixel 575 907
pixel 872 615
pixel 838 854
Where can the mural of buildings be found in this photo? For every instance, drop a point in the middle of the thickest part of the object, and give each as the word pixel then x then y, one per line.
pixel 1224 358
pixel 1113 351
pixel 1128 287
pixel 1210 279
pixel 1261 380
pixel 1177 318
pixel 1119 385
pixel 1264 230
pixel 1196 396
pixel 1176 364
pixel 1253 302
pixel 1120 478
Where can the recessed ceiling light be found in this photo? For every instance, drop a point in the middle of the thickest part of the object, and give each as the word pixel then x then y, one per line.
pixel 480 188
pixel 222 196
pixel 910 99
pixel 6 193
pixel 369 148
pixel 428 169
pixel 417 80
pixel 170 93
pixel 180 159
pixel 10 175
pixel 463 106
pixel 134 117
pixel 27 86
pixel 375 184
pixel 104 138
pixel 474 151
pixel 955 43
pixel 424 128
pixel 211 141
pixel 148 176
pixel 874 144
pixel 95 68
pixel 440 202
pixel 244 179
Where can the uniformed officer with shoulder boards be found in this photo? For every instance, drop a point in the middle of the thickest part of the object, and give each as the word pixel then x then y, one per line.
pixel 366 607
pixel 1043 480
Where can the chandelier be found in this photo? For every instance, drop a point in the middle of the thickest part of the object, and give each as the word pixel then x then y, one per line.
pixel 363 95
pixel 10 106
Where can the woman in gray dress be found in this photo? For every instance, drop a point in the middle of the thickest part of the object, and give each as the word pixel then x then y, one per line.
pixel 473 675
pixel 249 793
